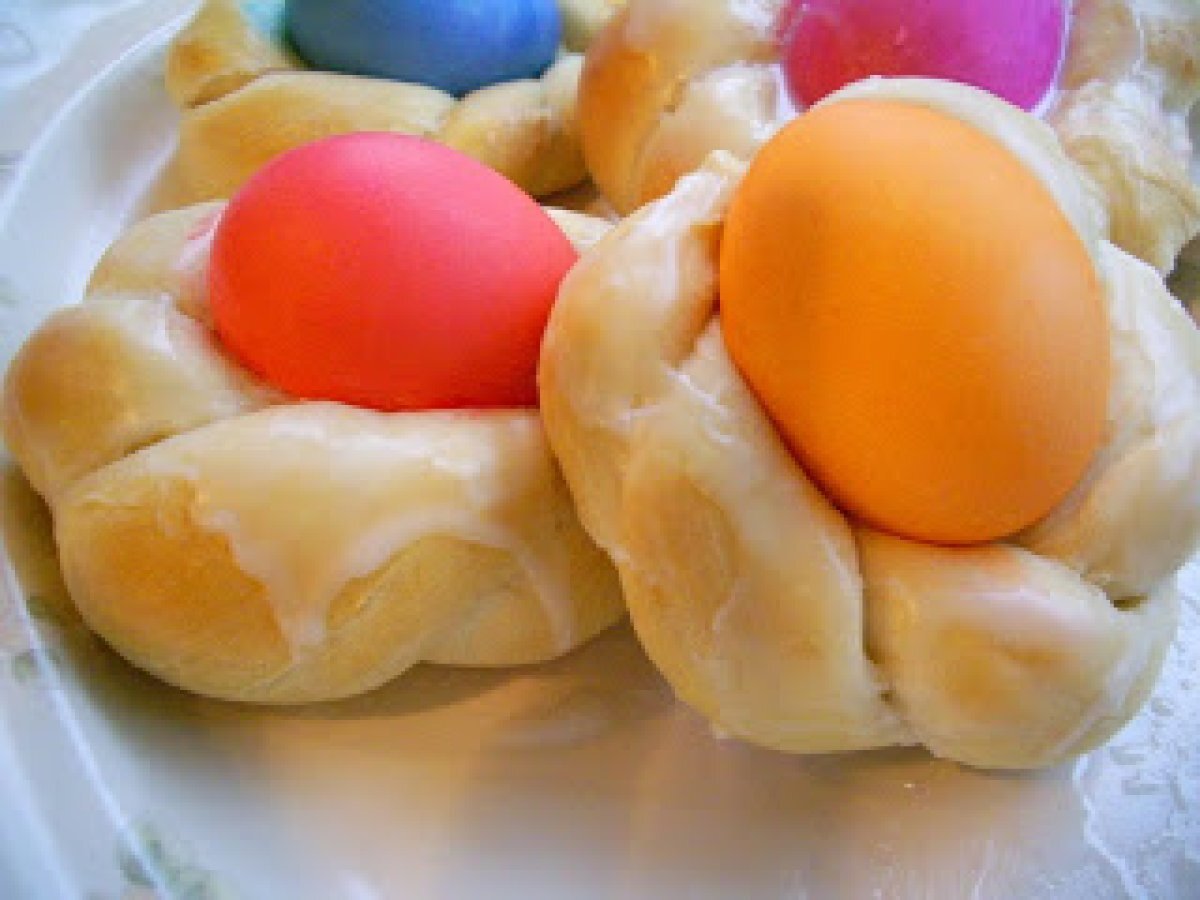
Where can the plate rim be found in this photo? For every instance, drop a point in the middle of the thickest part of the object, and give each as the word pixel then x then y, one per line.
pixel 32 862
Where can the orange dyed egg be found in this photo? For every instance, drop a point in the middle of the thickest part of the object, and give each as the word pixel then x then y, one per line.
pixel 917 315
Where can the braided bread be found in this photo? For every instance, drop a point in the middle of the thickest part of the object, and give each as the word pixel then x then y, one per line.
pixel 245 98
pixel 666 83
pixel 243 545
pixel 791 624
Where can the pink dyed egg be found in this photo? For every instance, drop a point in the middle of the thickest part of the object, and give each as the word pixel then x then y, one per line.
pixel 1012 48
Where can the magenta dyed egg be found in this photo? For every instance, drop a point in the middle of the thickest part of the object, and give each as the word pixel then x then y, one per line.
pixel 1012 48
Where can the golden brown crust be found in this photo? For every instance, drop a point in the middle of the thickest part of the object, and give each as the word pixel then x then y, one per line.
pixel 217 53
pixel 225 141
pixel 244 100
pixel 526 130
pixel 637 71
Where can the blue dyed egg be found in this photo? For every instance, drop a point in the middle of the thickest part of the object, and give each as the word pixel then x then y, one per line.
pixel 454 45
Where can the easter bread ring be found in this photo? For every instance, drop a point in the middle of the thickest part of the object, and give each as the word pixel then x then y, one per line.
pixel 244 545
pixel 662 88
pixel 244 98
pixel 791 624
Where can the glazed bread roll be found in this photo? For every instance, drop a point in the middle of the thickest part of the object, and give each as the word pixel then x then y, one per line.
pixel 668 82
pixel 240 544
pixel 790 624
pixel 245 98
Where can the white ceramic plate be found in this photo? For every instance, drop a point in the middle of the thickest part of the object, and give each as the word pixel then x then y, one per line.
pixel 581 779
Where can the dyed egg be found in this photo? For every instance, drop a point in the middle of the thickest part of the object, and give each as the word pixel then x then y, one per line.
pixel 454 45
pixel 1012 48
pixel 387 271
pixel 917 315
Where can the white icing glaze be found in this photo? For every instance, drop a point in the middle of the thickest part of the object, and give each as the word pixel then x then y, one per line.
pixel 313 496
pixel 786 543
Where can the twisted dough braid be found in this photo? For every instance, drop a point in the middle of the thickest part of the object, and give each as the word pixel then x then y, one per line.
pixel 243 545
pixel 669 81
pixel 789 624
pixel 245 98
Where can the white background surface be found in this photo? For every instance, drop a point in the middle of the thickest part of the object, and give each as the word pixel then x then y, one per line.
pixel 49 49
